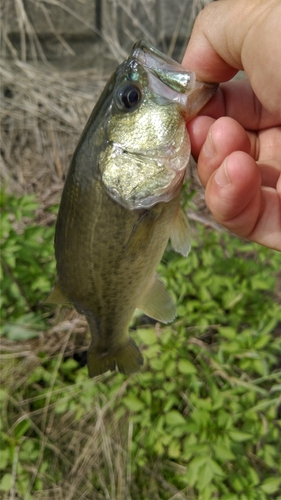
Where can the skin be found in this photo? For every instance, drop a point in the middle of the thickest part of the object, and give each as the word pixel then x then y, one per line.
pixel 237 137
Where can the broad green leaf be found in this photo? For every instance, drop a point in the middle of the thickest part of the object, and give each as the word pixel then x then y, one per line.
pixel 174 449
pixel 186 367
pixel 158 447
pixel 4 457
pixel 157 364
pixel 216 468
pixel 174 418
pixel 172 400
pixel 18 332
pixel 69 365
pixel 6 482
pixel 3 394
pixel 223 453
pixel 194 470
pixel 231 298
pixel 206 475
pixel 271 485
pixel 259 283
pixel 262 341
pixel 62 406
pixel 133 403
pixel 240 436
pixel 21 428
pixel 228 332
pixel 253 476
pixel 147 336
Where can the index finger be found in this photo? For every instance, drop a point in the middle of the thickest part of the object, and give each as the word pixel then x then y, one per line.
pixel 205 53
pixel 237 100
pixel 230 35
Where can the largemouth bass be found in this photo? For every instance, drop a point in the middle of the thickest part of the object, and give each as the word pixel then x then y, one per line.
pixel 121 203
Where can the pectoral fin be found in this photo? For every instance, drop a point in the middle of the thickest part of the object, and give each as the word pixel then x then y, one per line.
pixel 57 297
pixel 157 303
pixel 141 234
pixel 180 236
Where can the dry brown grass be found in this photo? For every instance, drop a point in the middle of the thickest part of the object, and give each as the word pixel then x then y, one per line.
pixel 41 123
pixel 90 452
pixel 45 103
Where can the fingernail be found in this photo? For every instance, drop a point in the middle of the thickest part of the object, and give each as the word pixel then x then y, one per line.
pixel 209 146
pixel 221 176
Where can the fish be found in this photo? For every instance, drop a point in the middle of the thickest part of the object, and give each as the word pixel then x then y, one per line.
pixel 121 203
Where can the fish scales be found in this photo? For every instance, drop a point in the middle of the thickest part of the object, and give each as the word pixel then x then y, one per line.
pixel 103 272
pixel 121 203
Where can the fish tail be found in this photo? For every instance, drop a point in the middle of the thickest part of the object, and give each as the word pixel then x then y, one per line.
pixel 127 359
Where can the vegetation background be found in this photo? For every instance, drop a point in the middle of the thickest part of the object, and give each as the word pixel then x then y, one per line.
pixel 202 420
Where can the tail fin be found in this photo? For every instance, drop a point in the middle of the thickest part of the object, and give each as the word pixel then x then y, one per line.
pixel 128 359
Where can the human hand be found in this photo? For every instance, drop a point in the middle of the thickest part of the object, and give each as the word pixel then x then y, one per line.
pixel 237 138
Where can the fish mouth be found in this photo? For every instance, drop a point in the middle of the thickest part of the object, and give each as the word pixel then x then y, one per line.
pixel 169 80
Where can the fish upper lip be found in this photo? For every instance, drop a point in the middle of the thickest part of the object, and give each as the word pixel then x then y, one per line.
pixel 165 69
pixel 143 47
pixel 169 78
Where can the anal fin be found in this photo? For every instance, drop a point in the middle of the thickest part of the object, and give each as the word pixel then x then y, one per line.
pixel 57 297
pixel 157 302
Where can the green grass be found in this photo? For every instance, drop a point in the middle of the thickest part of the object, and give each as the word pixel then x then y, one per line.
pixel 27 266
pixel 202 418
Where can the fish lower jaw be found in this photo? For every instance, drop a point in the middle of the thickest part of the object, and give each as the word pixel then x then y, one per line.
pixel 164 194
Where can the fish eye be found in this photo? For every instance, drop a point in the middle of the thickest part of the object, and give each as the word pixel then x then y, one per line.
pixel 129 97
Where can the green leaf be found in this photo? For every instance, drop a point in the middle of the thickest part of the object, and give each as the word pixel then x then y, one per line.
pixel 259 283
pixel 17 332
pixel 4 457
pixel 216 468
pixel 186 367
pixel 271 485
pixel 194 469
pixel 206 476
pixel 253 476
pixel 147 336
pixel 3 394
pixel 157 364
pixel 170 402
pixel 22 428
pixel 174 418
pixel 62 406
pixel 174 449
pixel 69 365
pixel 133 403
pixel 228 332
pixel 223 453
pixel 262 341
pixel 6 482
pixel 240 436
